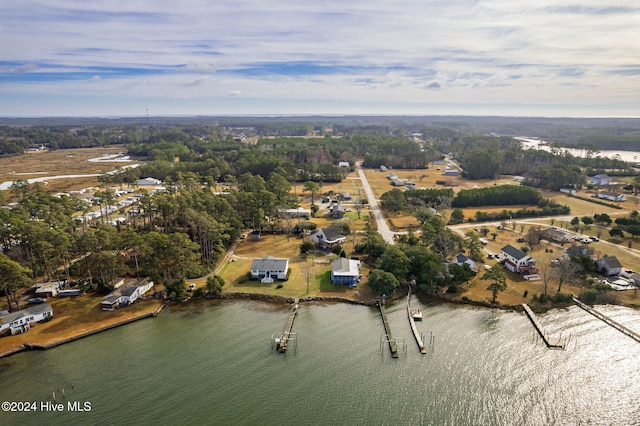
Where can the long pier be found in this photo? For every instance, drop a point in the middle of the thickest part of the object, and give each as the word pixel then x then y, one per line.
pixel 412 322
pixel 286 334
pixel 551 342
pixel 393 346
pixel 635 336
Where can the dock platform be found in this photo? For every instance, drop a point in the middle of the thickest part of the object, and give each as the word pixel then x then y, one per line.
pixel 551 342
pixel 283 340
pixel 412 322
pixel 393 346
pixel 635 336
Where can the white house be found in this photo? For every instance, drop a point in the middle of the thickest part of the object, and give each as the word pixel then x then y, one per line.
pixel 149 181
pixel 328 237
pixel 20 321
pixel 611 196
pixel 601 179
pixel 515 260
pixel 556 235
pixel 609 266
pixel 451 172
pixel 48 289
pixel 269 268
pixel 344 164
pixel 345 271
pixel 297 212
pixel 461 259
pixel 126 294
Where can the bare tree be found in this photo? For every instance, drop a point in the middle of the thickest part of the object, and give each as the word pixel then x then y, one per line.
pixel 566 271
pixel 533 237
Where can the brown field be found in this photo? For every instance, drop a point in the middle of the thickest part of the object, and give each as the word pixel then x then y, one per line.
pixel 74 316
pixel 60 162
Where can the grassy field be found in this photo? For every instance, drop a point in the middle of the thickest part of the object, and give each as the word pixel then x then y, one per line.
pixel 74 316
pixel 318 267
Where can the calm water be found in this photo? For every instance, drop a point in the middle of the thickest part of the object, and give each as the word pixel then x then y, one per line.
pixel 214 365
pixel 628 156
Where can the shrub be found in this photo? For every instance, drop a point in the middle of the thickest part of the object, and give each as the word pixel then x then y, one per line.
pixel 589 296
pixel 563 298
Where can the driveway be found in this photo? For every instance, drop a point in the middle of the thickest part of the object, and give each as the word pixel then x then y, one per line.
pixel 383 228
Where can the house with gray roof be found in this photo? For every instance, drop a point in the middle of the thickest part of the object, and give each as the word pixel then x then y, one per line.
pixel 579 251
pixel 516 260
pixel 269 268
pixel 609 266
pixel 21 321
pixel 126 294
pixel 462 259
pixel 601 179
pixel 328 237
pixel 345 271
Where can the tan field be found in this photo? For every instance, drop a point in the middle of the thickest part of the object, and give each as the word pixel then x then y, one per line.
pixel 75 316
pixel 60 162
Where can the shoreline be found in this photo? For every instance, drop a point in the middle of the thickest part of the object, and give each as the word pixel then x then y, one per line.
pixel 28 346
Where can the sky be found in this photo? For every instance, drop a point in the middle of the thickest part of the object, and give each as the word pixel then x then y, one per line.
pixel 332 57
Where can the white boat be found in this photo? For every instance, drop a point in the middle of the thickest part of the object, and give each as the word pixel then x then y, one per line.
pixel 416 314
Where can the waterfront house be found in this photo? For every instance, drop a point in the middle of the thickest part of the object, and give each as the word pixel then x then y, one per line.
pixel 126 294
pixel 345 271
pixel 21 321
pixel 269 268
pixel 600 180
pixel 516 260
pixel 609 266
pixel 328 237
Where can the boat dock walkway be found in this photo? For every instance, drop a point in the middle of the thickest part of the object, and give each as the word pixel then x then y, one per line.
pixel 551 342
pixel 412 322
pixel 393 346
pixel 286 334
pixel 635 336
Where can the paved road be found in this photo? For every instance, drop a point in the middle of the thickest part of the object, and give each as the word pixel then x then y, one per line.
pixel 383 228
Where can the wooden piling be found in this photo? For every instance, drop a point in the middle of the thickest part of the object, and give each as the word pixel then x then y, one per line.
pixel 551 342
pixel 635 336
pixel 393 346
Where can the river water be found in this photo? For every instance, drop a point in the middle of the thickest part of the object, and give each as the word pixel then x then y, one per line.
pixel 628 156
pixel 213 364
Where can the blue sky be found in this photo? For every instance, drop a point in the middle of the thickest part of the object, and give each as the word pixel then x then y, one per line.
pixel 476 57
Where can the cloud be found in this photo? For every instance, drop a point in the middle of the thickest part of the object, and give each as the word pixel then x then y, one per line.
pixel 371 51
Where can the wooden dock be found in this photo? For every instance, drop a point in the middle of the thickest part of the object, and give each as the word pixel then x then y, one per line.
pixel 283 341
pixel 393 346
pixel 412 322
pixel 635 336
pixel 551 342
